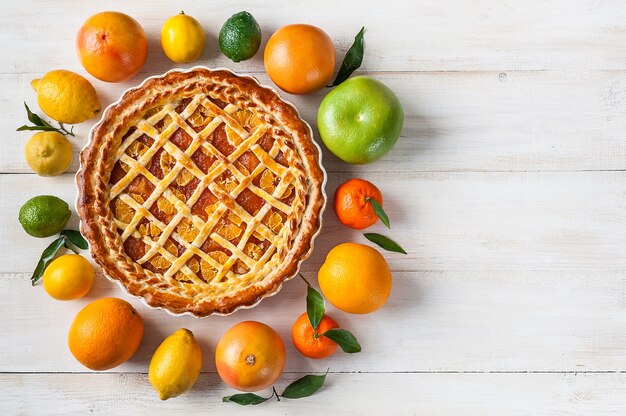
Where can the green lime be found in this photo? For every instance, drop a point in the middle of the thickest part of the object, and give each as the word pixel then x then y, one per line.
pixel 240 37
pixel 44 215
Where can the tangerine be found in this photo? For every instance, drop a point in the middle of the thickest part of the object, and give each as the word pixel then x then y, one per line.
pixel 300 58
pixel 305 341
pixel 352 206
pixel 105 333
pixel 250 356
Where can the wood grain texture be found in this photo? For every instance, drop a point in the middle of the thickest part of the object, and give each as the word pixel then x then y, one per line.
pixel 507 189
pixel 413 35
pixel 478 121
pixel 433 322
pixel 400 394
pixel 445 221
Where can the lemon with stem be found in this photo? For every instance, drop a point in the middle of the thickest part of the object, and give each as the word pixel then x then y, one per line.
pixel 182 38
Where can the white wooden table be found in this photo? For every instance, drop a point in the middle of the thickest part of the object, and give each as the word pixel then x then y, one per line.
pixel 507 188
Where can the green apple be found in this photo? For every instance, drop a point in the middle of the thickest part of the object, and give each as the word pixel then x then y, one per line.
pixel 360 120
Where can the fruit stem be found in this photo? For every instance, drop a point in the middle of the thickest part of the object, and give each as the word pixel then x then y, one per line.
pixel 64 130
pixel 303 278
pixel 250 359
pixel 275 393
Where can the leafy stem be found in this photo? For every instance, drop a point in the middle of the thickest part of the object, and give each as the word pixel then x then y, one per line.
pixel 303 387
pixel 42 125
pixel 68 239
pixel 64 131
pixel 315 309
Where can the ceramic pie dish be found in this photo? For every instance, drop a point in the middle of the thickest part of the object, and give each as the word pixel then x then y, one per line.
pixel 200 191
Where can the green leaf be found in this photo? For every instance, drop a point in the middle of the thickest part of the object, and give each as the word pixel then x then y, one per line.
pixel 34 118
pixel 76 238
pixel 245 399
pixel 304 387
pixel 353 59
pixel 380 212
pixel 344 339
pixel 314 306
pixel 385 242
pixel 42 125
pixel 46 257
pixel 36 128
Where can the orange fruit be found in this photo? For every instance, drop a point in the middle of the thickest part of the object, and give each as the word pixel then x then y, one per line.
pixel 250 356
pixel 300 58
pixel 355 278
pixel 352 206
pixel 304 339
pixel 112 46
pixel 105 333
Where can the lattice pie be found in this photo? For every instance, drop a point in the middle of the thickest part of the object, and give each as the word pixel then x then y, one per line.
pixel 200 191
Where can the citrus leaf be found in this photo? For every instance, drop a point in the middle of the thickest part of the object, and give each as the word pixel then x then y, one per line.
pixel 344 339
pixel 34 118
pixel 46 257
pixel 385 242
pixel 36 128
pixel 76 238
pixel 380 212
pixel 304 387
pixel 314 306
pixel 42 125
pixel 245 399
pixel 353 59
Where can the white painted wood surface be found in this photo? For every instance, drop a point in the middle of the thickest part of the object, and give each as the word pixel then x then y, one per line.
pixel 507 189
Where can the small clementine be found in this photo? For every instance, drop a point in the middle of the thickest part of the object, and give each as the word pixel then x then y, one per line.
pixel 105 333
pixel 304 339
pixel 300 58
pixel 250 356
pixel 352 206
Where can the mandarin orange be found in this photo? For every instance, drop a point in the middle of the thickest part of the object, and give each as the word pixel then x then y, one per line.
pixel 305 341
pixel 352 206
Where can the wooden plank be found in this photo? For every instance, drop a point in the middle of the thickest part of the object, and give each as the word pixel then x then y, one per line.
pixel 433 322
pixel 454 122
pixel 430 394
pixel 445 221
pixel 401 36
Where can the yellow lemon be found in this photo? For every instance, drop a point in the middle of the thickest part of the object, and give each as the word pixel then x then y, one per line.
pixel 175 365
pixel 68 277
pixel 182 38
pixel 66 96
pixel 48 153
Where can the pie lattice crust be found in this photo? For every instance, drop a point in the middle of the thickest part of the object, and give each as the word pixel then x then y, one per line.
pixel 200 191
